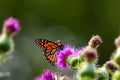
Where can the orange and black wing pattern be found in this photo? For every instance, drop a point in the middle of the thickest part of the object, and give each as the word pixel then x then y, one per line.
pixel 44 43
pixel 50 49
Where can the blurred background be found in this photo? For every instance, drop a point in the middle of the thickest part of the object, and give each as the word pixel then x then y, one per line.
pixel 71 21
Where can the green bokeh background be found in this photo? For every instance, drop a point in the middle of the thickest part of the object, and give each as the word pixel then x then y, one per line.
pixel 71 21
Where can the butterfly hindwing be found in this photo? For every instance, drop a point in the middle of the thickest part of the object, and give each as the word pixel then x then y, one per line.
pixel 51 55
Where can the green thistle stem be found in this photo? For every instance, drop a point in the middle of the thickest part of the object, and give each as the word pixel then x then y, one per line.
pixel 87 71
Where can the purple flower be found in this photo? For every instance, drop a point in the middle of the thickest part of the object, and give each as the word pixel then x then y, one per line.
pixel 38 78
pixel 46 75
pixel 11 25
pixel 63 54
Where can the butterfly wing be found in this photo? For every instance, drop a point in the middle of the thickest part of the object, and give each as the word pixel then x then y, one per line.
pixel 50 54
pixel 44 43
pixel 50 49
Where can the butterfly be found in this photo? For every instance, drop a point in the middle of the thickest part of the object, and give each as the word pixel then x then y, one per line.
pixel 50 49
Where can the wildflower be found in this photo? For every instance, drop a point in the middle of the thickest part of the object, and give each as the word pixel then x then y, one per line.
pixel 11 26
pixel 68 57
pixel 95 41
pixel 63 54
pixel 46 75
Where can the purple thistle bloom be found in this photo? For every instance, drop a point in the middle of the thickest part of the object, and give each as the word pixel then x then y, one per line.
pixel 11 25
pixel 46 75
pixel 38 78
pixel 63 54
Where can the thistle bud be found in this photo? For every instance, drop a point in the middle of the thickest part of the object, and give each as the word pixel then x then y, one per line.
pixel 110 66
pixel 90 54
pixel 95 41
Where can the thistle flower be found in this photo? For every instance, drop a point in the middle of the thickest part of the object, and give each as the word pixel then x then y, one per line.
pixel 62 56
pixel 11 26
pixel 46 75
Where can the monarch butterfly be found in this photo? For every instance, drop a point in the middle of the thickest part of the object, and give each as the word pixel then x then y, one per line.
pixel 50 49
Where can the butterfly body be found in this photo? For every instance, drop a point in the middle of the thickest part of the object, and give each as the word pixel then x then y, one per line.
pixel 50 49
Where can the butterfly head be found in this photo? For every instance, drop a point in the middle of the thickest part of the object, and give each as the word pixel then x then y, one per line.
pixel 60 45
